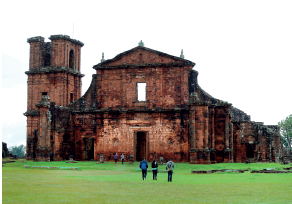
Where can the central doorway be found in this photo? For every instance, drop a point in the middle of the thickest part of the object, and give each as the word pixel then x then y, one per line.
pixel 141 146
pixel 88 149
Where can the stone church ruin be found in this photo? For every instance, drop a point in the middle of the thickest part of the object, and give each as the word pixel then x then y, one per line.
pixel 142 103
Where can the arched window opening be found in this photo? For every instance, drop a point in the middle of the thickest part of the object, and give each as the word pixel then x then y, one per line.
pixel 71 97
pixel 71 59
pixel 47 59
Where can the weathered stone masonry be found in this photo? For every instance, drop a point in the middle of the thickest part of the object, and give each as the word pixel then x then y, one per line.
pixel 178 119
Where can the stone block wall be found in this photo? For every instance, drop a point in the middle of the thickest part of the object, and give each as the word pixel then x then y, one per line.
pixel 166 134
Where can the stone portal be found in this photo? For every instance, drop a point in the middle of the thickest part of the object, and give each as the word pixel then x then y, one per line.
pixel 88 148
pixel 249 150
pixel 141 146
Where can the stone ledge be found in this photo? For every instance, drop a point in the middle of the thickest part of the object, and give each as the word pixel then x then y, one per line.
pixel 54 69
pixel 36 39
pixel 157 110
pixel 32 113
pixel 66 37
pixel 147 65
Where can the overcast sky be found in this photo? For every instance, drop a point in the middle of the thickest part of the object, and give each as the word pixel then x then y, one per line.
pixel 242 49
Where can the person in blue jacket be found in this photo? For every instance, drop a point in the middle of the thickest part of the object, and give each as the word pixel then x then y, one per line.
pixel 144 166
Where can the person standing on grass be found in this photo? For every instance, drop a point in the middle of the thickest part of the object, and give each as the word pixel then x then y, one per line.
pixel 154 165
pixel 169 168
pixel 144 166
pixel 116 158
pixel 123 158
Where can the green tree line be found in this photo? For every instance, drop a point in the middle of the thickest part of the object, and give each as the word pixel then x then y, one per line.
pixel 17 150
pixel 286 132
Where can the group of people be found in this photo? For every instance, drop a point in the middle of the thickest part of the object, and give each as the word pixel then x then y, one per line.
pixel 116 157
pixel 154 165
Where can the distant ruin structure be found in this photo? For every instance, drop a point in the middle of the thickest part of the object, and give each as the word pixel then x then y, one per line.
pixel 142 103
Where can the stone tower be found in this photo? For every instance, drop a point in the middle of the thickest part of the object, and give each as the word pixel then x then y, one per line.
pixel 53 77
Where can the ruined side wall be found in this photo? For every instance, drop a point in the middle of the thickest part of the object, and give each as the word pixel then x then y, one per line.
pixel 251 138
pixel 31 139
pixel 195 87
pixel 62 141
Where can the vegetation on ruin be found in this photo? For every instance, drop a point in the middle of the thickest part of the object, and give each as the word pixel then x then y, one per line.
pixel 286 132
pixel 110 183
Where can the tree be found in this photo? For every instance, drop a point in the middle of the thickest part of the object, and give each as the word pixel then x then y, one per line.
pixel 286 132
pixel 18 151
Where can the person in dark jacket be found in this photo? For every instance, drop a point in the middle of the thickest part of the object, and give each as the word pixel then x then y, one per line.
pixel 144 166
pixel 154 165
pixel 116 158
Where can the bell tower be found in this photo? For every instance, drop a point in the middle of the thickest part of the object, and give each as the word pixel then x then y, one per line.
pixel 54 73
pixel 54 70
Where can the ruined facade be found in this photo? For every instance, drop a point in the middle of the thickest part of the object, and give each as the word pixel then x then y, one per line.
pixel 174 119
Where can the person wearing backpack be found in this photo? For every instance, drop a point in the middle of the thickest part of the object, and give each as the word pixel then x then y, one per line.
pixel 144 166
pixel 169 168
pixel 154 165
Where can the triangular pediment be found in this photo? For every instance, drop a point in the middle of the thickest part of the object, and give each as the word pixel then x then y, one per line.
pixel 142 56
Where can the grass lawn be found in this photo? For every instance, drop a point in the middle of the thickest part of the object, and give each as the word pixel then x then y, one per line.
pixel 110 183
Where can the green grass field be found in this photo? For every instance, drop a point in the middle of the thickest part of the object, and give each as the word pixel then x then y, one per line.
pixel 110 183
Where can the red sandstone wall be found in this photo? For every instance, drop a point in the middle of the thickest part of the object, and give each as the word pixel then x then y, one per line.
pixel 142 57
pixel 166 87
pixel 165 136
pixel 57 85
pixel 60 53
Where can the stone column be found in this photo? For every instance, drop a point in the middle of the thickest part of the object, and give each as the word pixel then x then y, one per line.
pixel 192 134
pixel 227 130
pixel 227 150
pixel 259 144
pixel 206 132
pixel 192 127
pixel 270 148
pixel 197 128
pixel 44 142
pixel 212 150
pixel 213 128
pixel 231 142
